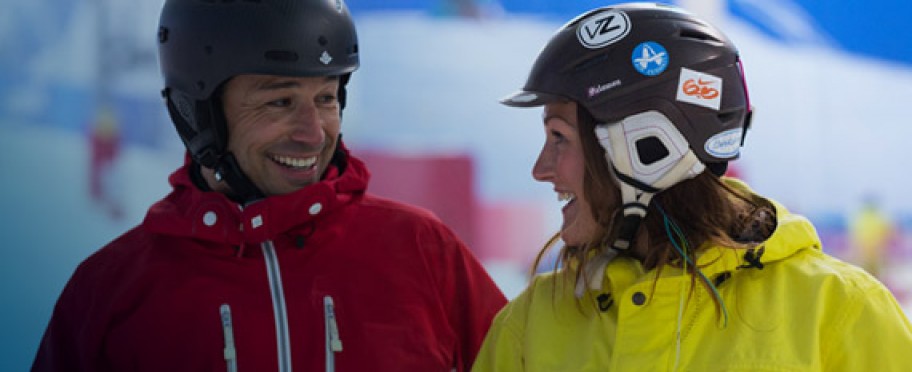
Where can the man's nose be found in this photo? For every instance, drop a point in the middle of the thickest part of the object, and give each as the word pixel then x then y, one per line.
pixel 307 124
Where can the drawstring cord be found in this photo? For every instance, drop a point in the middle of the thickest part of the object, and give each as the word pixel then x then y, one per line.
pixel 333 341
pixel 228 331
pixel 679 241
pixel 681 246
pixel 680 321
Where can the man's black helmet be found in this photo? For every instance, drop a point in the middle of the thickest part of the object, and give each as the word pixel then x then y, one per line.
pixel 204 43
pixel 621 60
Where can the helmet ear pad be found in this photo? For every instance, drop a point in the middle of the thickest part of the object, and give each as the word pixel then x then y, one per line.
pixel 699 125
pixel 201 125
pixel 205 134
pixel 342 94
pixel 645 148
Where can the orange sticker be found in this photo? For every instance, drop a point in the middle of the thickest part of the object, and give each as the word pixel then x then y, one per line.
pixel 700 89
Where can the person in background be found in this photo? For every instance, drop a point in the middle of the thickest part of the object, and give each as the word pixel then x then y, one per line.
pixel 105 180
pixel 871 232
pixel 667 266
pixel 269 255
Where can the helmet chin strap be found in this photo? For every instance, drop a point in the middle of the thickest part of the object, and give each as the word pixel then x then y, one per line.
pixel 648 154
pixel 242 189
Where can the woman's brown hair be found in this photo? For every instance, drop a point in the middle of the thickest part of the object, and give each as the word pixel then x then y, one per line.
pixel 705 209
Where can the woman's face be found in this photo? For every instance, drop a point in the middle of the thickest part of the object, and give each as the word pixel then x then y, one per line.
pixel 561 162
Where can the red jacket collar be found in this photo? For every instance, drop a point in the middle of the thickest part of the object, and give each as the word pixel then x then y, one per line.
pixel 190 212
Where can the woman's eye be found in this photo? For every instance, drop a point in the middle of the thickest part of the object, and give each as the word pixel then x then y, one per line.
pixel 557 136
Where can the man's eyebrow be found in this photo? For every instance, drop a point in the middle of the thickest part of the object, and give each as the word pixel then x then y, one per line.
pixel 286 84
pixel 276 85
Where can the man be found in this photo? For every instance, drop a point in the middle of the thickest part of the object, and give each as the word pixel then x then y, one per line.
pixel 268 255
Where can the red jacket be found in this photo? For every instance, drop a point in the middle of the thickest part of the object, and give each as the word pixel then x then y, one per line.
pixel 327 275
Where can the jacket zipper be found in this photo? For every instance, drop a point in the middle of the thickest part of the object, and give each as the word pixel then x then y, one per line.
pixel 228 331
pixel 333 341
pixel 283 341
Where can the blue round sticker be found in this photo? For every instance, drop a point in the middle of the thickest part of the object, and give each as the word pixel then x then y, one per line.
pixel 650 58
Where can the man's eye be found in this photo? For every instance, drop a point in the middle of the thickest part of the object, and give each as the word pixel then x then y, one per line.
pixel 327 98
pixel 284 102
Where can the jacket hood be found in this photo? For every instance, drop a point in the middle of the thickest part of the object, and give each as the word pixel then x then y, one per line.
pixel 211 216
pixel 793 233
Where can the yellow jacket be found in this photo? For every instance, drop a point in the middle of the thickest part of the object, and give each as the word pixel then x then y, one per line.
pixel 802 311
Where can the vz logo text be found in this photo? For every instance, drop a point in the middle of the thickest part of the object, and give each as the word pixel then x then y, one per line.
pixel 603 29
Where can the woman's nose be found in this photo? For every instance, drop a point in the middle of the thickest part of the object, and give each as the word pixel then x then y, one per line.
pixel 543 170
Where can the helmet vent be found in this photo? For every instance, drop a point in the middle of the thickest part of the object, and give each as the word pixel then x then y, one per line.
pixel 650 150
pixel 281 55
pixel 322 40
pixel 698 35
pixel 586 64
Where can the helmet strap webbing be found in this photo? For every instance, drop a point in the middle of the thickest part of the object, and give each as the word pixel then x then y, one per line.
pixel 636 196
pixel 242 189
pixel 635 201
pixel 207 141
pixel 226 167
pixel 637 193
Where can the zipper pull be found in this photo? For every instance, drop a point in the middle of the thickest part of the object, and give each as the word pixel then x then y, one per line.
pixel 332 329
pixel 228 331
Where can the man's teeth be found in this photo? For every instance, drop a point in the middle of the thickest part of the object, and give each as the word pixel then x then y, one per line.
pixel 295 162
pixel 565 197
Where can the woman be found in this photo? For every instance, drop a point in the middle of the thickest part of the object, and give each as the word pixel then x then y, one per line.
pixel 667 265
